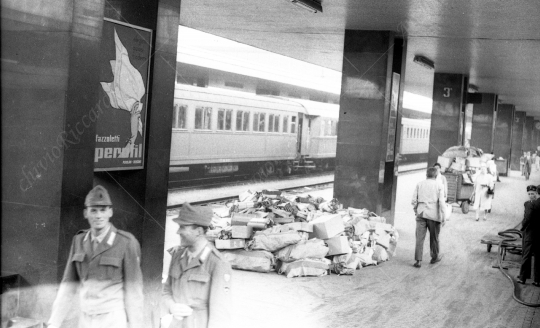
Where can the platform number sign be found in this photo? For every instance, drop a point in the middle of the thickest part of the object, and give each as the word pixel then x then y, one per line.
pixel 446 92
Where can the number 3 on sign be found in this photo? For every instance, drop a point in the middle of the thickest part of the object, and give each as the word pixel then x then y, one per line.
pixel 446 92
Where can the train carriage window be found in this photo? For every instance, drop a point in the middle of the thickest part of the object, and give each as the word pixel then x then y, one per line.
pixel 258 122
pixel 203 117
pixel 273 123
pixel 270 122
pixel 262 121
pixel 224 119
pixel 328 128
pixel 293 124
pixel 255 121
pixel 179 118
pixel 242 120
pixel 285 124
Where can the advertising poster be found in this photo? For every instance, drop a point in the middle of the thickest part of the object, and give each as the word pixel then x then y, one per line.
pixel 392 124
pixel 123 91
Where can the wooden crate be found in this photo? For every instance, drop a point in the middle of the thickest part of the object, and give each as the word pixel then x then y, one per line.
pixel 453 181
pixel 465 192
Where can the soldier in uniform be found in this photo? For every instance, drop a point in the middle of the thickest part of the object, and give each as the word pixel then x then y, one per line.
pixel 197 290
pixel 104 263
pixel 531 238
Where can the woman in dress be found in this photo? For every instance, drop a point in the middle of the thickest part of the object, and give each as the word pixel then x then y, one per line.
pixel 482 200
pixel 528 165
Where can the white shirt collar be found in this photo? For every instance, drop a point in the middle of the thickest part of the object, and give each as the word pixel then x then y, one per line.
pixel 101 235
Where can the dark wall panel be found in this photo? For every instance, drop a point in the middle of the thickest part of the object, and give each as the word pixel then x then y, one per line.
pixel 361 143
pixel 503 131
pixel 528 133
pixel 517 139
pixel 47 72
pixel 482 123
pixel 446 115
pixel 142 194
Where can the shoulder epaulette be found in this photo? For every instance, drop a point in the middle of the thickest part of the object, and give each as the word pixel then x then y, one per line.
pixel 82 231
pixel 125 234
pixel 216 252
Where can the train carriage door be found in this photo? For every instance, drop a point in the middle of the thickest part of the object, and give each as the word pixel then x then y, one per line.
pixel 304 126
pixel 298 132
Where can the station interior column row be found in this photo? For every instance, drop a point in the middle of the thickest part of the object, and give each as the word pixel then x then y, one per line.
pixel 492 126
pixel 43 193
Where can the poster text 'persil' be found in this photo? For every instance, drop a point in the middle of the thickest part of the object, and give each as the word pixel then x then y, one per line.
pixel 117 152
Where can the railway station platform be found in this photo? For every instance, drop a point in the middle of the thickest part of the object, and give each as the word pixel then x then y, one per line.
pixel 463 290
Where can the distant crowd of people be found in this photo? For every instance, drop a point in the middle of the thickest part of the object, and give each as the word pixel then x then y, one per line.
pixel 527 162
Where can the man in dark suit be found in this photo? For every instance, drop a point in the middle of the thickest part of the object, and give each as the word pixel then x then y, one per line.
pixel 531 238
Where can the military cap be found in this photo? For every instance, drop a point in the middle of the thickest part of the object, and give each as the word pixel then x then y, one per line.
pixel 531 188
pixel 199 215
pixel 98 197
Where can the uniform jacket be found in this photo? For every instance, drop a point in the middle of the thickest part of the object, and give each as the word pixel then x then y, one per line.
pixel 428 200
pixel 110 279
pixel 531 218
pixel 203 284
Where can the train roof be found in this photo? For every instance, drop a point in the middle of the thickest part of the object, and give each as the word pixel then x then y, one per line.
pixel 315 108
pixel 239 98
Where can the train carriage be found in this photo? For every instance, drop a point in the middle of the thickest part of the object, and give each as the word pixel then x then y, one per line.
pixel 219 132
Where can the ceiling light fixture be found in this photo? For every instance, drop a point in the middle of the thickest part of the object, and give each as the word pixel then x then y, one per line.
pixel 311 5
pixel 423 61
pixel 473 87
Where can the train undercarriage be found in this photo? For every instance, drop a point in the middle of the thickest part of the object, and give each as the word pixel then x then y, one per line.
pixel 202 174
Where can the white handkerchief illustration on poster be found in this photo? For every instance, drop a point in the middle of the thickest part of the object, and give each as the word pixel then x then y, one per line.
pixel 125 91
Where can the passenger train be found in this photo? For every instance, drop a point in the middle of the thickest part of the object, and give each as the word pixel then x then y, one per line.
pixel 414 145
pixel 223 133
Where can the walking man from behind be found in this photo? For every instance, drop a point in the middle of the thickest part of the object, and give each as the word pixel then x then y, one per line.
pixel 428 202
pixel 104 264
pixel 197 290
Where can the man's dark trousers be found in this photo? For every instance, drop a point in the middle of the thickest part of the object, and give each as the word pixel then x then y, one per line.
pixel 434 227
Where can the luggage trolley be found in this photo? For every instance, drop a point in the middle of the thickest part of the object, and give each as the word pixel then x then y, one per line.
pixel 459 191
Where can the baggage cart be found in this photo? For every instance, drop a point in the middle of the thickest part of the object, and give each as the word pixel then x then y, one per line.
pixel 459 191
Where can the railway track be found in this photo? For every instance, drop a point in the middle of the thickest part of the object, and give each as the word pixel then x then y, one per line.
pixel 226 199
pixel 236 182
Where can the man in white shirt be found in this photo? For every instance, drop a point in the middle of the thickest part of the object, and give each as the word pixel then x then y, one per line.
pixel 442 180
pixel 428 202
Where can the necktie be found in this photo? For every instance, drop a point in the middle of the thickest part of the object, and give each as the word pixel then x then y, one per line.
pixel 95 244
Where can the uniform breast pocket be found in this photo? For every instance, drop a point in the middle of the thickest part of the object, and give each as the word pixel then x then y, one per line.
pixel 199 285
pixel 78 260
pixel 112 268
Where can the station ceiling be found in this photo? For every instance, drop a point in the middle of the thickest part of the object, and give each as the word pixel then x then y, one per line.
pixel 495 42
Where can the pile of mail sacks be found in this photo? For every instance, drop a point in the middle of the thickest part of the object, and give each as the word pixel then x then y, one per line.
pixel 299 236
